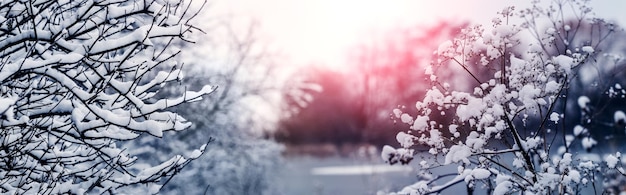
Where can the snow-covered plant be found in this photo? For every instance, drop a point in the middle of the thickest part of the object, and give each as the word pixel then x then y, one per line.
pixel 77 79
pixel 506 124
pixel 237 116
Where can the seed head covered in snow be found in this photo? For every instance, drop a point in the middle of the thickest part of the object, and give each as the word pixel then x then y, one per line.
pixel 611 161
pixel 397 112
pixel 445 49
pixel 583 101
pixel 578 130
pixel 554 117
pixel 619 117
pixel 405 139
pixel 565 62
pixel 420 123
pixel 588 142
pixel 552 86
pixel 406 118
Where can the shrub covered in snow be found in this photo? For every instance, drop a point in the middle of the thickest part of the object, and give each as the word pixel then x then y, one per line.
pixel 78 79
pixel 510 130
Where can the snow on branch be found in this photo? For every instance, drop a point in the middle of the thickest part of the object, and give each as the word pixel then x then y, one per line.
pixel 77 78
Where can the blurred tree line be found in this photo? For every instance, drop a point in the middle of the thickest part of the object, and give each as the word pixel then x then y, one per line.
pixel 356 103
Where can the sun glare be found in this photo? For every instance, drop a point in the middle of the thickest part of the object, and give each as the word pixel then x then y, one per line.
pixel 321 32
pixel 332 27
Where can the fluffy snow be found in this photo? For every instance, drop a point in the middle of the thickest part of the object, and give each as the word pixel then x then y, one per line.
pixel 392 156
pixel 554 117
pixel 504 30
pixel 435 139
pixel 428 70
pixel 434 96
pixel 474 140
pixel 110 132
pixel 573 176
pixel 503 188
pixel 480 173
pixel 195 154
pixel 397 112
pixel 11 138
pixel 453 128
pixel 387 153
pixel 532 142
pixel 444 48
pixel 458 153
pixel 473 108
pixel 569 139
pixel 588 49
pixel 5 103
pixel 528 94
pixel 611 161
pixel 564 61
pixel 406 118
pixel 420 123
pixel 552 87
pixel 618 117
pixel 567 27
pixel 587 165
pixel 405 140
pixel 583 101
pixel 154 189
pixel 565 161
pixel 518 163
pixel 588 142
pixel 579 130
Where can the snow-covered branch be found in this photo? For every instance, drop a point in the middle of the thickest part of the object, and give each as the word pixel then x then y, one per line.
pixel 76 79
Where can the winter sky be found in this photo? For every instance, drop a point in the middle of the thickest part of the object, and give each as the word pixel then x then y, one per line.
pixel 322 31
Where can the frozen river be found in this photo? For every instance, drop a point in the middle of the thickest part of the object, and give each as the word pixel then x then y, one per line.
pixel 336 175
